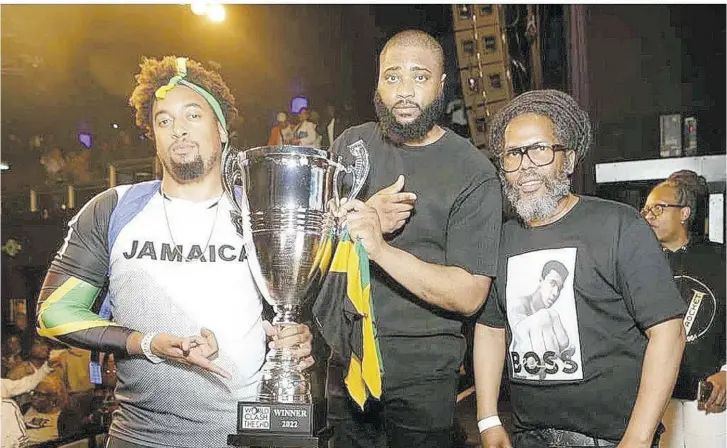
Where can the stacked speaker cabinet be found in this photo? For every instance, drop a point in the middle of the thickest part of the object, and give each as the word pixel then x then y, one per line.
pixel 484 64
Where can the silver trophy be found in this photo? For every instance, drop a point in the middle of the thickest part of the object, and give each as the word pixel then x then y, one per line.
pixel 283 198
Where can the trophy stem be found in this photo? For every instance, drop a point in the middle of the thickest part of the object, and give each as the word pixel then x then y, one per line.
pixel 282 382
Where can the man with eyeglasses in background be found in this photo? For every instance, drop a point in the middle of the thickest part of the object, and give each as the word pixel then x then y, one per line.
pixel 619 305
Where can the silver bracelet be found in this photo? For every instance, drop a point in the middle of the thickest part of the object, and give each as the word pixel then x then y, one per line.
pixel 146 348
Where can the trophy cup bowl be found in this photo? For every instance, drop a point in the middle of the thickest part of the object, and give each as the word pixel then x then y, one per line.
pixel 283 197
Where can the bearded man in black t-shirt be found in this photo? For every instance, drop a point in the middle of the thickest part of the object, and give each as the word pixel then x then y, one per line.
pixel 433 250
pixel 597 365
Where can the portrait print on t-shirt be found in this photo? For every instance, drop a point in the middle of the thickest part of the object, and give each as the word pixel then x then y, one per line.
pixel 541 312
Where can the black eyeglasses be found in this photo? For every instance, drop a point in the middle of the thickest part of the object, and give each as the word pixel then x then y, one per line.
pixel 658 209
pixel 540 154
pixel 35 393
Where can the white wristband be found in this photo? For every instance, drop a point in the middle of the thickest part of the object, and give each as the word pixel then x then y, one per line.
pixel 724 368
pixel 146 348
pixel 488 422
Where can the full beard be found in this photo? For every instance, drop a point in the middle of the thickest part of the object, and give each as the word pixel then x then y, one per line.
pixel 540 208
pixel 400 133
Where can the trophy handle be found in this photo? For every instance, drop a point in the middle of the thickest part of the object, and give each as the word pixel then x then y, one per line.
pixel 360 167
pixel 231 173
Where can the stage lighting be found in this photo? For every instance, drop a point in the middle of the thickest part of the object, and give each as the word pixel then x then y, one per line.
pixel 216 12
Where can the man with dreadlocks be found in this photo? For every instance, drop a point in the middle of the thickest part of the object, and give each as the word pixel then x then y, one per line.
pixel 430 264
pixel 619 307
pixel 181 314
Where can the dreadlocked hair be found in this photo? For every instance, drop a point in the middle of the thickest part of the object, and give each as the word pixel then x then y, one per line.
pixel 572 124
pixel 157 73
pixel 690 187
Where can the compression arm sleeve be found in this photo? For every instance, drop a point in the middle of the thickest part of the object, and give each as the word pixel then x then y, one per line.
pixel 64 314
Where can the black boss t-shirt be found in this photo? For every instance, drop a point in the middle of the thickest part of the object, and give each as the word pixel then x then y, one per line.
pixel 456 222
pixel 576 297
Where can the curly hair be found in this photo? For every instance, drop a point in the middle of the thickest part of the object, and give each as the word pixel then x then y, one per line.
pixel 690 187
pixel 157 73
pixel 572 124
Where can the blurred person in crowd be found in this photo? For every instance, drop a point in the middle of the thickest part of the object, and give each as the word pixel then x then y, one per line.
pixel 458 117
pixel 14 432
pixel 305 132
pixel 74 363
pixel 282 132
pixel 21 322
pixel 602 359
pixel 186 322
pixel 76 421
pixel 78 166
pixel 12 346
pixel 54 162
pixel 698 266
pixel 315 118
pixel 336 123
pixel 40 354
pixel 41 419
pixel 432 252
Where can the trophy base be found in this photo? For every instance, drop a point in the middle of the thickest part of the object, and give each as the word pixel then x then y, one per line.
pixel 243 439
pixel 281 425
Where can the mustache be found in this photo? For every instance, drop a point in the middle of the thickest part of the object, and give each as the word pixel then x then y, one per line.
pixel 405 103
pixel 529 175
pixel 182 144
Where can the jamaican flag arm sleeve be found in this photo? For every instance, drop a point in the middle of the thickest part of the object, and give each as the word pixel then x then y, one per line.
pixel 65 314
pixel 74 280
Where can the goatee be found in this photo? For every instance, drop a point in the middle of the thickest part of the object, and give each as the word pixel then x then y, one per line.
pixel 543 207
pixel 190 171
pixel 400 133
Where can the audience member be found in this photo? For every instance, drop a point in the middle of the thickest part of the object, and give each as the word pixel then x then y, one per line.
pixel 315 118
pixel 39 355
pixel 335 125
pixel 54 162
pixel 12 345
pixel 14 433
pixel 305 132
pixel 41 419
pixel 282 133
pixel 76 377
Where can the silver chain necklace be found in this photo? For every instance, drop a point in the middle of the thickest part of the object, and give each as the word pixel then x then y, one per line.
pixel 165 198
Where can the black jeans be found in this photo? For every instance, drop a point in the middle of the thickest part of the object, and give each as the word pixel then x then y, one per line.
pixel 557 438
pixel 411 414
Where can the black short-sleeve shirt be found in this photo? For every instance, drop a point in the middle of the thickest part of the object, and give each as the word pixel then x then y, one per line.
pixel 576 297
pixel 456 220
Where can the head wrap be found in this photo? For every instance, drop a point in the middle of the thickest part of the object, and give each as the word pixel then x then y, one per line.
pixel 161 92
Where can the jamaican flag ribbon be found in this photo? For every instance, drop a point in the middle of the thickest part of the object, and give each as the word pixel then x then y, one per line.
pixel 345 315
